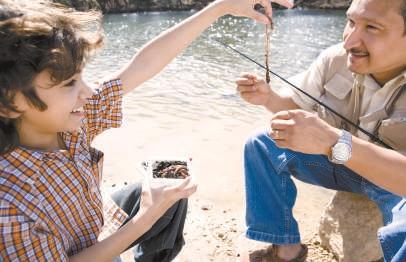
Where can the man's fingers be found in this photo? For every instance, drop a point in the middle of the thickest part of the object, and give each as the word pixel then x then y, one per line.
pixel 282 115
pixel 245 81
pixel 276 134
pixel 282 124
pixel 249 75
pixel 243 89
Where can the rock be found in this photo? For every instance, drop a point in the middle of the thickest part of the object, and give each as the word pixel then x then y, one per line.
pixel 325 4
pixel 122 6
pixel 206 207
pixel 349 226
pixel 80 4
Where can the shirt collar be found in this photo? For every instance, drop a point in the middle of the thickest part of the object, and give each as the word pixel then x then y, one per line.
pixel 369 82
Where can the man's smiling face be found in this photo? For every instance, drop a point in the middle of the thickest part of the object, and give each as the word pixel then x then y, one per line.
pixel 375 38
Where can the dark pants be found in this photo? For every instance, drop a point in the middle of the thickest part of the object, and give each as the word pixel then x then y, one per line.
pixel 165 239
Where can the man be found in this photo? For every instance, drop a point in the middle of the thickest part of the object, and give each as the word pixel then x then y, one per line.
pixel 364 79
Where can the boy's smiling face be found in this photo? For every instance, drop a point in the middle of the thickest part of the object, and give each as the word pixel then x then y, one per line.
pixel 64 109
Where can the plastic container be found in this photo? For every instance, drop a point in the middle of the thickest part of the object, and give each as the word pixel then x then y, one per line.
pixel 167 167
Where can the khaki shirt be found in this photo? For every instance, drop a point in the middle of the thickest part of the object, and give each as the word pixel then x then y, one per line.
pixel 357 97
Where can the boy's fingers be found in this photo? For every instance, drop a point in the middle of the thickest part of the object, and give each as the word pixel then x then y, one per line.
pixel 268 7
pixel 285 3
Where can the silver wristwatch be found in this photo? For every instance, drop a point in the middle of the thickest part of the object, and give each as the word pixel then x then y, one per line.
pixel 341 151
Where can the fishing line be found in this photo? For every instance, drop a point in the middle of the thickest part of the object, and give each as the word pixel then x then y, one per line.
pixel 370 135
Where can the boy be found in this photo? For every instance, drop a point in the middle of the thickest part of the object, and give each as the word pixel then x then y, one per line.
pixel 50 202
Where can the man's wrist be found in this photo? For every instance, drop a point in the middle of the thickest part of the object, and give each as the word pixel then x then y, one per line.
pixel 333 134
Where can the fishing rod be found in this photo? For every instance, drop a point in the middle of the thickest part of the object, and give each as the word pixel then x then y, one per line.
pixel 370 135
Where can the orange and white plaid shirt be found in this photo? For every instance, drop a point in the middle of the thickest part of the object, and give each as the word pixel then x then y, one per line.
pixel 50 202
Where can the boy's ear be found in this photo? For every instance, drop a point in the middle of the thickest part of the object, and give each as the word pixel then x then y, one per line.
pixel 21 105
pixel 7 113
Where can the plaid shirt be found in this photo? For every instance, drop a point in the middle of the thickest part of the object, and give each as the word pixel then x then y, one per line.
pixel 50 202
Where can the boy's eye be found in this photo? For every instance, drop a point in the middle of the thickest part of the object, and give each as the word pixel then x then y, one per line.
pixel 71 83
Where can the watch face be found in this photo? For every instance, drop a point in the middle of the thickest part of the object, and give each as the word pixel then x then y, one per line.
pixel 341 152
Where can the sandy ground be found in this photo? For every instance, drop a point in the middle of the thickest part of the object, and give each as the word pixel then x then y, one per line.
pixel 215 223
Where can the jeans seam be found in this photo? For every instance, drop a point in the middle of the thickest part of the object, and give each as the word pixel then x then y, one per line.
pixel 285 208
pixel 385 209
pixel 316 164
pixel 385 248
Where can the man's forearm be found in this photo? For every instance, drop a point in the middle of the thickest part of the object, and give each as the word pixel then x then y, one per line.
pixel 279 101
pixel 387 168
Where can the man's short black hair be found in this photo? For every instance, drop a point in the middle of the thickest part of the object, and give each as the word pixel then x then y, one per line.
pixel 403 10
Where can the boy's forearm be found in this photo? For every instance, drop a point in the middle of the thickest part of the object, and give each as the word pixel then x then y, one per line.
pixel 155 55
pixel 387 168
pixel 114 245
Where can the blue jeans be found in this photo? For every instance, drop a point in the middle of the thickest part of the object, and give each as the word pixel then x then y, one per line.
pixel 271 194
pixel 164 240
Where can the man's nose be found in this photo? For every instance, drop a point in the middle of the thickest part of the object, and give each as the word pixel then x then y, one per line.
pixel 352 38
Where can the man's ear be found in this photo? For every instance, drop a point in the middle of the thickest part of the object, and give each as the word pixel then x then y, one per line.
pixel 19 102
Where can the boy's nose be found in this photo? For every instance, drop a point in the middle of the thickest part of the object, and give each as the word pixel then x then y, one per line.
pixel 86 91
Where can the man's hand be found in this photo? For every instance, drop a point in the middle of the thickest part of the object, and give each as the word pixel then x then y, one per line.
pixel 155 201
pixel 253 90
pixel 303 131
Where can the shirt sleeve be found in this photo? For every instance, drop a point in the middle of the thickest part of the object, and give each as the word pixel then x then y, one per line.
pixel 311 81
pixel 104 108
pixel 25 240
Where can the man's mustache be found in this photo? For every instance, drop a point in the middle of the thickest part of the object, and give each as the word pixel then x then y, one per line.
pixel 357 52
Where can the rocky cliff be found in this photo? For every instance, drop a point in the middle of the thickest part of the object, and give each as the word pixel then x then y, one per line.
pixel 325 4
pixel 120 6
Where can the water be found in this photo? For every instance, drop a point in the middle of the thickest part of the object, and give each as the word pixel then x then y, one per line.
pixel 200 82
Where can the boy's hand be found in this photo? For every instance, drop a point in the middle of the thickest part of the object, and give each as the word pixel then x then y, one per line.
pixel 253 90
pixel 155 201
pixel 246 8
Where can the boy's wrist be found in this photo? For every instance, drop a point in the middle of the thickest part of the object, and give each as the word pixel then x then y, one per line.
pixel 141 222
pixel 220 7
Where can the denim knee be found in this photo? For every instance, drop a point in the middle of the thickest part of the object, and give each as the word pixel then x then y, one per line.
pixel 261 147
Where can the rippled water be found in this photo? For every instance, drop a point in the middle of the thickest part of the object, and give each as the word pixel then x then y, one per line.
pixel 200 82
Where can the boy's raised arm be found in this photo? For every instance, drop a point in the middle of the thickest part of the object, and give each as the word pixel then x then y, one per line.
pixel 157 53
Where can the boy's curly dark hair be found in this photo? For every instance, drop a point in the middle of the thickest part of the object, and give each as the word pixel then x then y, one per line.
pixel 38 35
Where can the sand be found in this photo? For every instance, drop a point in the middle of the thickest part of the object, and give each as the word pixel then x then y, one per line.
pixel 215 224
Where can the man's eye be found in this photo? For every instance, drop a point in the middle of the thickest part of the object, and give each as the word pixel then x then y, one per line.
pixel 371 27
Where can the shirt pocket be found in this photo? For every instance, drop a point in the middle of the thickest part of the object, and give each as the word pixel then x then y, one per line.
pixel 393 131
pixel 336 96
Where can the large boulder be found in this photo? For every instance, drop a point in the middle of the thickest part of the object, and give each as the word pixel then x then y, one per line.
pixel 349 226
